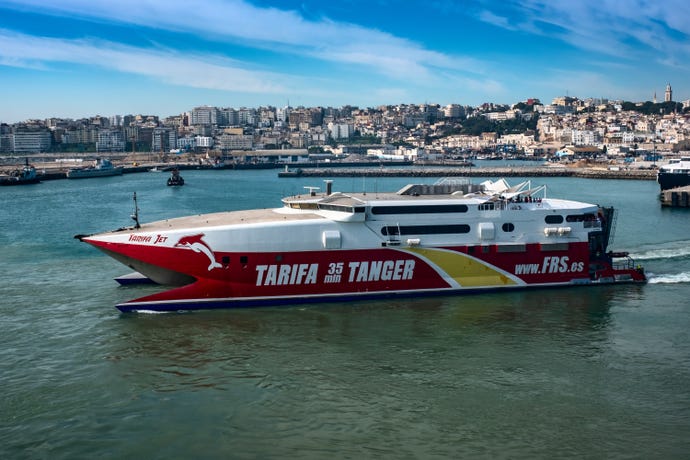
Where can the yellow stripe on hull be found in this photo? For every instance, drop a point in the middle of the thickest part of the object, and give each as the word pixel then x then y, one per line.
pixel 465 270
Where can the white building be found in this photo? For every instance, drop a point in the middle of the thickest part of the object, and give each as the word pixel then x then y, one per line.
pixel 204 115
pixel 186 143
pixel 389 152
pixel 29 139
pixel 204 142
pixel 110 141
pixel 585 137
pixel 282 113
pixel 340 130
pixel 235 142
pixel 453 111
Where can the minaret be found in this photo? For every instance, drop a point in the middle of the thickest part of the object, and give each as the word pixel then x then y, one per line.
pixel 668 95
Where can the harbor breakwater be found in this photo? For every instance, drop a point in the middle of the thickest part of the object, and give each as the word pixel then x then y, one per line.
pixel 51 172
pixel 591 173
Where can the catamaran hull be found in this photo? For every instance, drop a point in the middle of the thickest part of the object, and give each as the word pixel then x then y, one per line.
pixel 254 302
pixel 279 278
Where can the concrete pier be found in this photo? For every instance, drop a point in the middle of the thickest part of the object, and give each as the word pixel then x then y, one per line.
pixel 676 197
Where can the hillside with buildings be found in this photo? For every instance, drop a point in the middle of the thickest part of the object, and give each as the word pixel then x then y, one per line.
pixel 567 127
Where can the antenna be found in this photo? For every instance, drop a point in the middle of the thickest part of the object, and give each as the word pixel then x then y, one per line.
pixel 135 216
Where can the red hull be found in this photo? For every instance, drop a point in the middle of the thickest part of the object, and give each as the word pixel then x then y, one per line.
pixel 276 278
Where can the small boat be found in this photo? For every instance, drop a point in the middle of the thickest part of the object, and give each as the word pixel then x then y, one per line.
pixel 674 174
pixel 26 175
pixel 290 172
pixel 175 179
pixel 447 238
pixel 101 168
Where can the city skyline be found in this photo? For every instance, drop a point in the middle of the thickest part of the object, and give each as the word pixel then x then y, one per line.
pixel 76 59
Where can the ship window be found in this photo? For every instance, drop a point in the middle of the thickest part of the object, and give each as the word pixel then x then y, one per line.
pixel 420 209
pixel 554 246
pixel 303 205
pixel 590 220
pixel 244 260
pixel 553 219
pixel 225 260
pixel 508 227
pixel 424 229
pixel 511 248
pixel 580 217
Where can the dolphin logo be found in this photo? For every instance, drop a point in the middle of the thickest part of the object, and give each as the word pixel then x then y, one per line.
pixel 196 244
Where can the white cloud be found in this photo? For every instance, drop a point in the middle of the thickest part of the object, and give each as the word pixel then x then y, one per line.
pixel 630 29
pixel 500 21
pixel 266 28
pixel 211 72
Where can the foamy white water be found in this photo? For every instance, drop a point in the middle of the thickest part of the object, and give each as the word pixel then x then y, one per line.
pixel 670 278
pixel 677 249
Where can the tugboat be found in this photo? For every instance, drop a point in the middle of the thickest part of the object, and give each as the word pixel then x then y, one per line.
pixel 26 175
pixel 175 179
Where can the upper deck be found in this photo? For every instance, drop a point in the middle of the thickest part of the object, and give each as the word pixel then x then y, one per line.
pixel 434 203
pixel 677 166
pixel 436 198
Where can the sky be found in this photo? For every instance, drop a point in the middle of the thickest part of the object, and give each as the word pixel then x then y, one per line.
pixel 81 58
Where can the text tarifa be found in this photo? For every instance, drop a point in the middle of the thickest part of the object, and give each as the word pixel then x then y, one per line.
pixel 335 272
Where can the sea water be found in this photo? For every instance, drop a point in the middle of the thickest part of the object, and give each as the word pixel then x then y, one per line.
pixel 593 372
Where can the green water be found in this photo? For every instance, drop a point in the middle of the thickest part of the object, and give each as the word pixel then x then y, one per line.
pixel 561 373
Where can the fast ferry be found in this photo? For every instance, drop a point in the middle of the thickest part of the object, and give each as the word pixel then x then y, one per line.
pixel 447 238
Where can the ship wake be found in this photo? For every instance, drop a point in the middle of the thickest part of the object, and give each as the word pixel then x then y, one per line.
pixel 676 278
pixel 673 250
